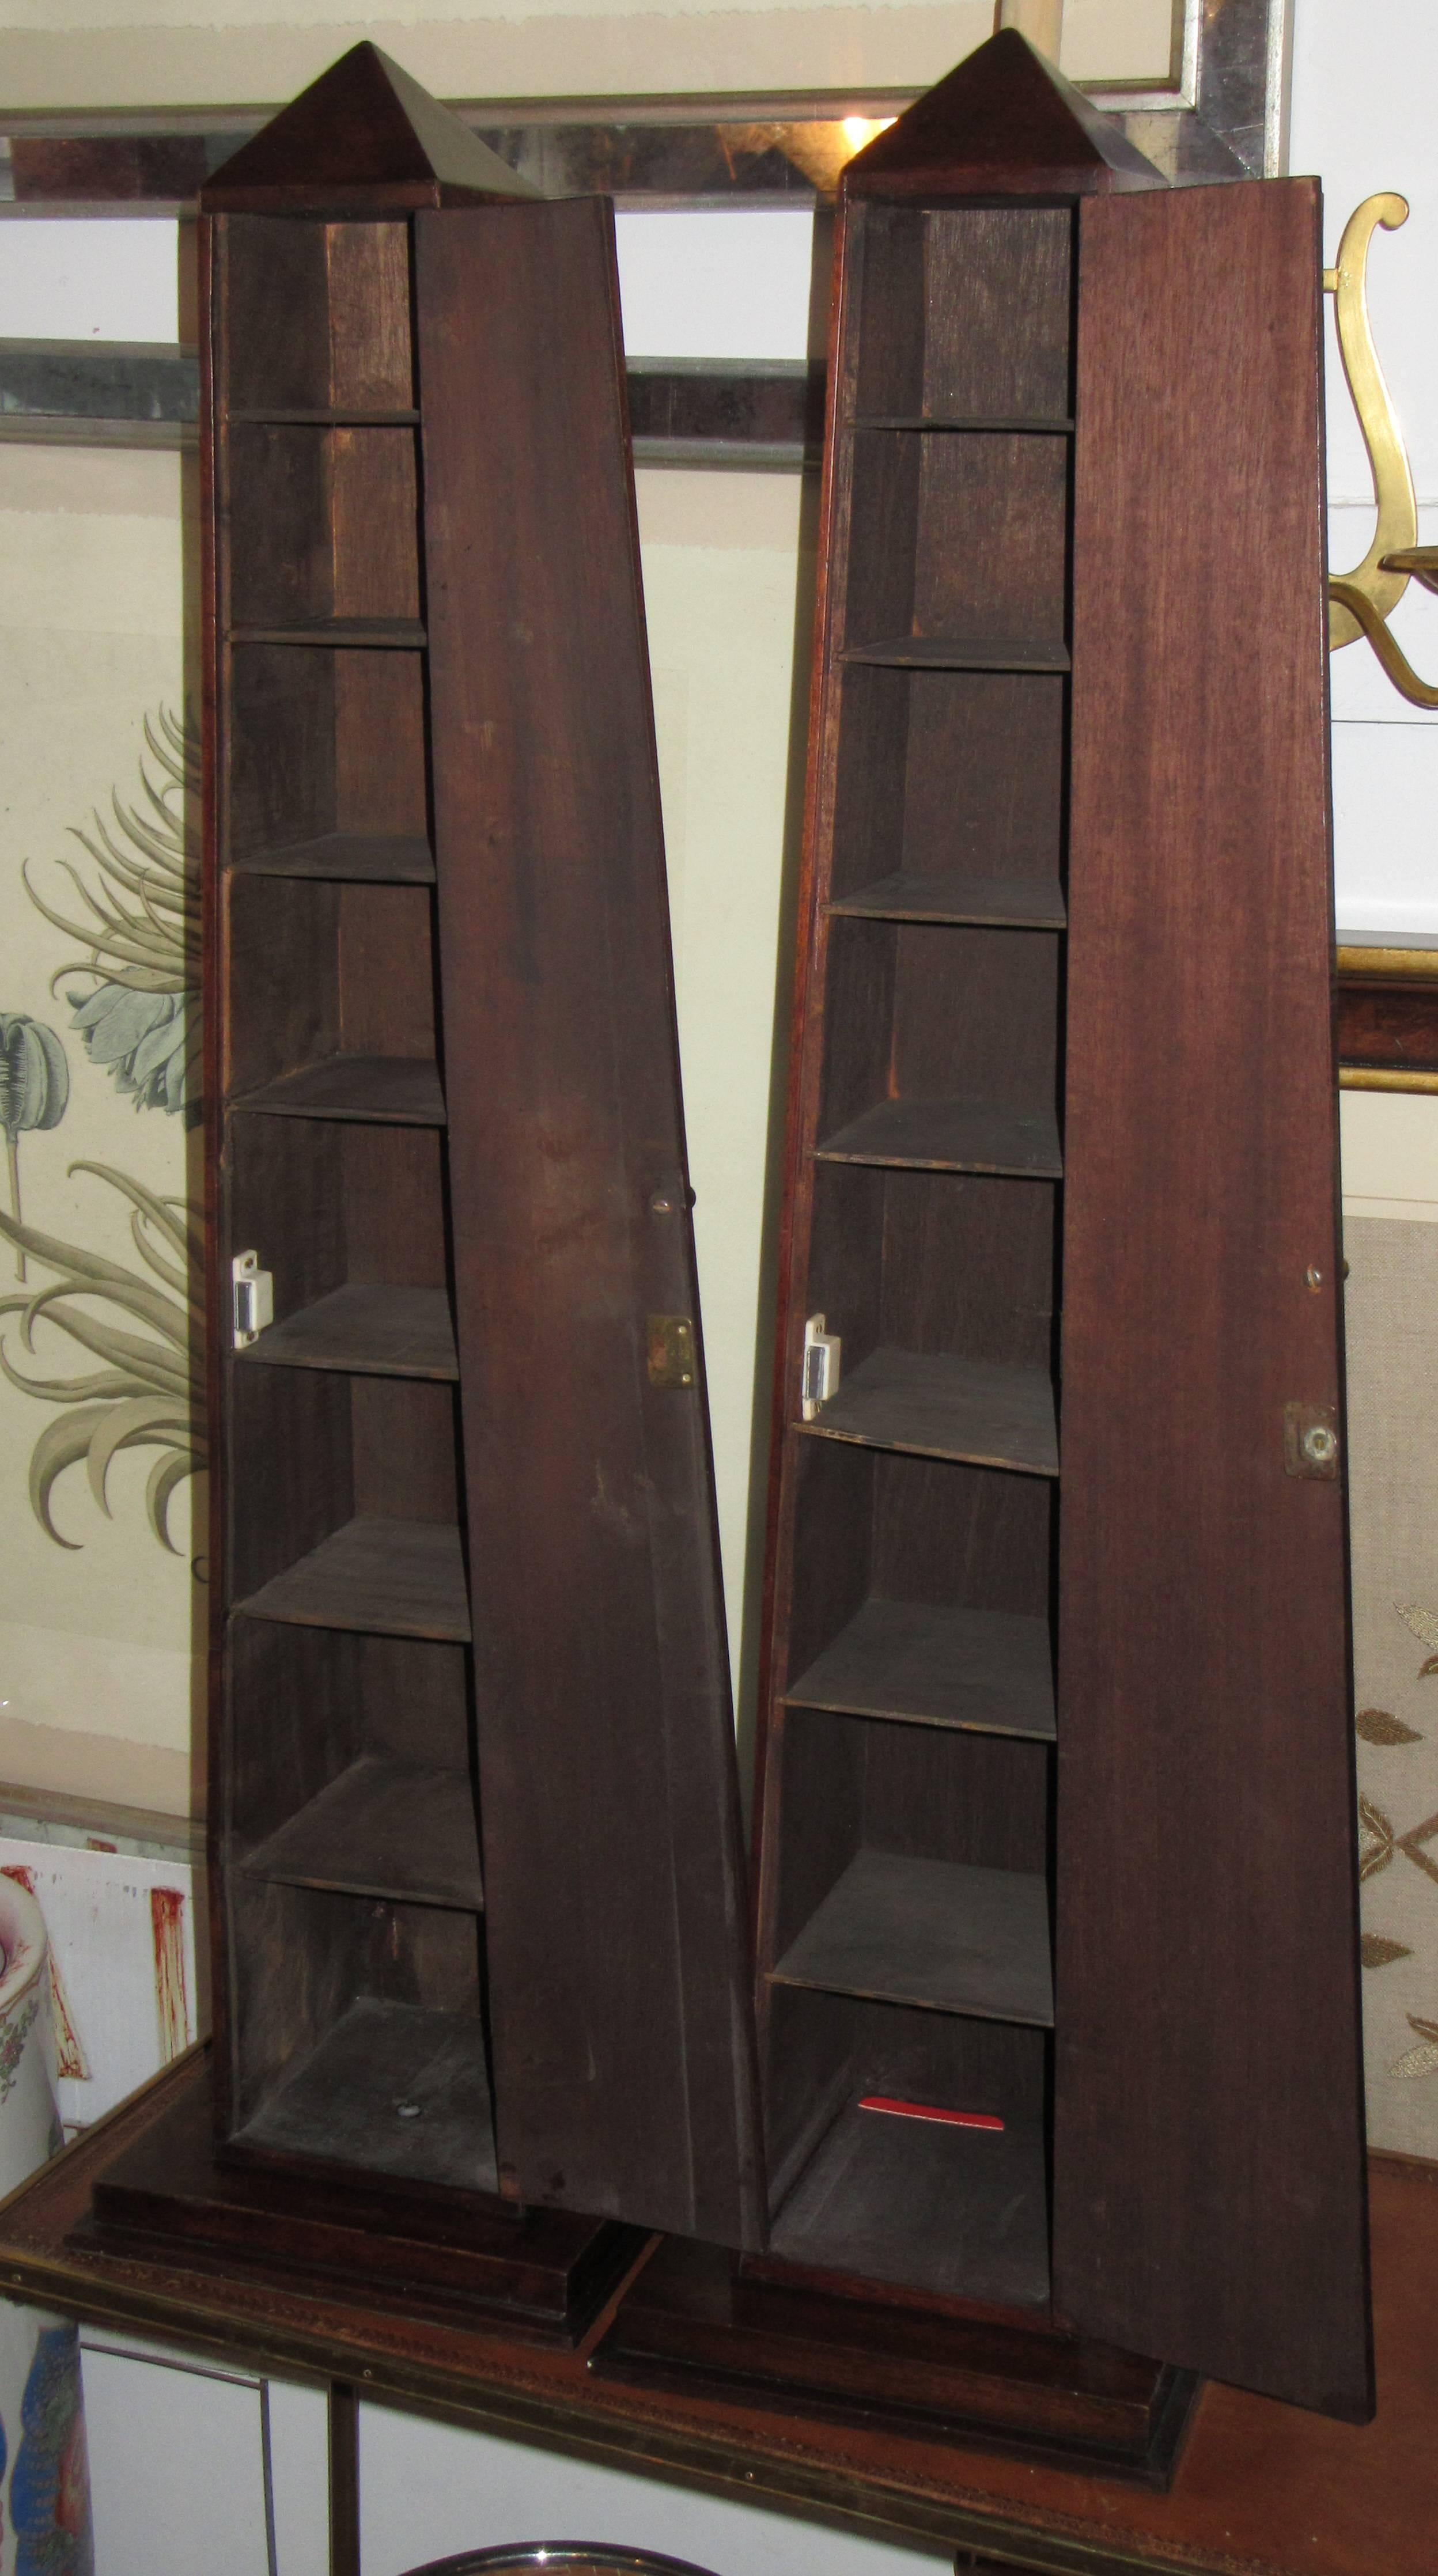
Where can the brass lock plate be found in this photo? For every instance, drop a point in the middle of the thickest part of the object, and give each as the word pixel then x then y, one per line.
pixel 1310 1440
pixel 670 1347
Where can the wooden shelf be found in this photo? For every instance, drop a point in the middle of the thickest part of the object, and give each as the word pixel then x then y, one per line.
pixel 377 1578
pixel 937 1933
pixel 961 653
pixel 322 419
pixel 959 2212
pixel 985 1413
pixel 398 634
pixel 1026 425
pixel 394 1829
pixel 982 1670
pixel 1012 903
pixel 950 1136
pixel 343 2102
pixel 366 1331
pixel 362 858
pixel 384 1090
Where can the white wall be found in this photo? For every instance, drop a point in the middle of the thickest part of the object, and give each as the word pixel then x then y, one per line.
pixel 1363 83
pixel 429 2490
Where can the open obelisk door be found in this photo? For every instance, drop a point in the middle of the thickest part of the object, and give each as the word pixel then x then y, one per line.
pixel 618 1981
pixel 1208 2164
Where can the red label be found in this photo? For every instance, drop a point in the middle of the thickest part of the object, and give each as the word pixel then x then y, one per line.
pixel 929 2111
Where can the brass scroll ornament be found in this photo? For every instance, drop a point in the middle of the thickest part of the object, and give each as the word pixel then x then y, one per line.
pixel 1362 601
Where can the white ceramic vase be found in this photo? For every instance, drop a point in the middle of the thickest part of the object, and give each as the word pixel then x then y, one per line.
pixel 44 2483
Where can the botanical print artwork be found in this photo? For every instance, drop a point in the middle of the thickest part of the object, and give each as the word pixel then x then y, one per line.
pixel 34 1087
pixel 1379 1842
pixel 150 1393
pixel 134 1001
pixel 1392 1340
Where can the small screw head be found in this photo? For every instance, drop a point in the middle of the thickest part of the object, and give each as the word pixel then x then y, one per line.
pixel 661 1204
pixel 1313 1277
pixel 1319 1444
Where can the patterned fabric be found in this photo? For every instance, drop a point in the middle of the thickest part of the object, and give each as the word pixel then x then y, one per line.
pixel 1392 1305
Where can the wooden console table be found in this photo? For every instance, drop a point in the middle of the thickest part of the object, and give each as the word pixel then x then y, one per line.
pixel 1388 1018
pixel 1261 2490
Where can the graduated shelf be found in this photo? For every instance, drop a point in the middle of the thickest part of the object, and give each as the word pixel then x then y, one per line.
pixel 366 1331
pixel 961 653
pixel 364 417
pixel 404 1830
pixel 962 2213
pixel 1024 424
pixel 986 1670
pixel 384 1090
pixel 942 1934
pixel 950 1136
pixel 349 2102
pixel 399 634
pixel 362 858
pixel 377 1578
pixel 982 1413
pixel 1014 903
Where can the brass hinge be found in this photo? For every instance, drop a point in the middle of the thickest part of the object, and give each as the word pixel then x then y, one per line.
pixel 1310 1440
pixel 670 1346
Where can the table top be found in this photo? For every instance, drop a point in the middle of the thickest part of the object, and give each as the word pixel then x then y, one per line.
pixel 1261 2489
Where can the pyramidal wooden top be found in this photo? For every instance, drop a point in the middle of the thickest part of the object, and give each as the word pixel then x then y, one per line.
pixel 362 139
pixel 1004 123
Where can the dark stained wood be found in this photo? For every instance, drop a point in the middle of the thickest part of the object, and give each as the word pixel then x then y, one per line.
pixel 960 2212
pixel 1271 2488
pixel 1003 123
pixel 796 2341
pixel 949 1136
pixel 422 2249
pixel 613 1874
pixel 962 653
pixel 387 634
pixel 387 1332
pixel 402 1089
pixel 1388 1024
pixel 344 781
pixel 939 771
pixel 924 1172
pixel 390 2089
pixel 957 897
pixel 392 1578
pixel 344 2473
pixel 1208 2163
pixel 986 1413
pixel 954 539
pixel 383 1828
pixel 361 138
pixel 376 858
pixel 965 316
pixel 935 1666
pixel 1026 424
pixel 327 418
pixel 908 1931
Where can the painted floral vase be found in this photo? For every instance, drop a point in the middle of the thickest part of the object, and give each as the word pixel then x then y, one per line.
pixel 44 2483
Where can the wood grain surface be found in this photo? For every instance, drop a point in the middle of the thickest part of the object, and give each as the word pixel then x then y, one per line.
pixel 1270 2489
pixel 383 1828
pixel 937 1667
pixel 933 1932
pixel 613 1874
pixel 1208 2163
